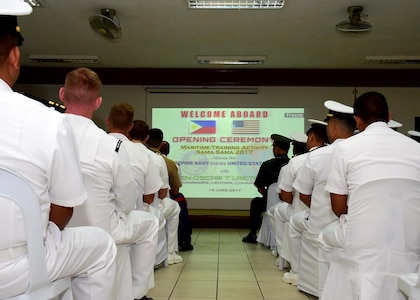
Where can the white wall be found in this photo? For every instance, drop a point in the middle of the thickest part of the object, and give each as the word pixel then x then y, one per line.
pixel 404 104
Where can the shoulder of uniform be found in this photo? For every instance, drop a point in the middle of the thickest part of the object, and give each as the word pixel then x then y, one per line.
pixel 118 146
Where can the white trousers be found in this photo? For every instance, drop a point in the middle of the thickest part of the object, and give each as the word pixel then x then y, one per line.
pixel 170 210
pixel 139 229
pixel 282 212
pixel 162 243
pixel 293 237
pixel 333 235
pixel 87 254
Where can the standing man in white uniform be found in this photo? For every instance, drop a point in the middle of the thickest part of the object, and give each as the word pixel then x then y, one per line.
pixel 120 124
pixel 37 144
pixel 374 153
pixel 310 184
pixel 108 177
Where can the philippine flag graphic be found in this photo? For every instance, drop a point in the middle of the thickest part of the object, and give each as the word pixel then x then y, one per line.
pixel 203 127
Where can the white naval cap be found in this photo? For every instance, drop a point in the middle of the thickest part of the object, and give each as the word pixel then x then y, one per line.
pixel 414 133
pixel 299 137
pixel 14 8
pixel 338 110
pixel 314 121
pixel 394 124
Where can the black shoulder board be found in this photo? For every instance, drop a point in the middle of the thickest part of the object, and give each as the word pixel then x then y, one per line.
pixel 117 148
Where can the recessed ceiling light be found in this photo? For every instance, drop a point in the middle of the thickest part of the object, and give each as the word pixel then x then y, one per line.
pixel 235 4
pixel 231 60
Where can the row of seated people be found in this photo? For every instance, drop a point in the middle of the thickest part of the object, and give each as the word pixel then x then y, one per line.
pixel 108 219
pixel 344 240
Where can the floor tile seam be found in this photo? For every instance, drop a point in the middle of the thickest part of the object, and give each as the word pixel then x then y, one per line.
pixel 252 268
pixel 183 267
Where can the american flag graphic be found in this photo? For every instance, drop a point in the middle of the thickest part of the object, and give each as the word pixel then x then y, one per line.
pixel 246 127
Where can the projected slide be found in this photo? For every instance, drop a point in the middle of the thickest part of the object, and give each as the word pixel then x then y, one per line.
pixel 221 150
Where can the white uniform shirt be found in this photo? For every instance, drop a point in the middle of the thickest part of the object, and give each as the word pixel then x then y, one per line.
pixel 311 180
pixel 145 171
pixel 107 174
pixel 37 144
pixel 288 176
pixel 377 152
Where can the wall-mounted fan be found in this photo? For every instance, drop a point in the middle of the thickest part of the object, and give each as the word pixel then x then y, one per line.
pixel 354 24
pixel 106 24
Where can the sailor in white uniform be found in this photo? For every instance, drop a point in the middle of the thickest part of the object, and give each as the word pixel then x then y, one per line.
pixel 310 184
pixel 37 144
pixel 109 180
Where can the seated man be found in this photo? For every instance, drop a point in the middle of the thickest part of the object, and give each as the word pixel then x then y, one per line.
pixel 310 184
pixel 151 181
pixel 184 230
pixel 108 177
pixel 316 137
pixel 37 145
pixel 267 174
pixel 374 153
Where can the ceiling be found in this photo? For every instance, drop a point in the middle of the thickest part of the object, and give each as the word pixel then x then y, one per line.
pixel 166 34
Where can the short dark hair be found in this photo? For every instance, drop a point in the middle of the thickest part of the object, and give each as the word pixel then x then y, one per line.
pixel 139 131
pixel 319 131
pixel 165 148
pixel 299 147
pixel 371 107
pixel 155 137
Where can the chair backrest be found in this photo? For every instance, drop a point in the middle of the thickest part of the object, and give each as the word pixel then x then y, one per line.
pixel 272 195
pixel 16 189
pixel 384 215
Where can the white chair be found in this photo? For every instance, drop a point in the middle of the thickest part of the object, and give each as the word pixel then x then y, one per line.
pixel 13 188
pixel 313 264
pixel 382 241
pixel 266 234
pixel 409 285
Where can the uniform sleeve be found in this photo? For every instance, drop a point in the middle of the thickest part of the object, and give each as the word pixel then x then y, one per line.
pixel 163 170
pixel 125 187
pixel 66 185
pixel 336 181
pixel 304 182
pixel 286 183
pixel 152 182
pixel 261 178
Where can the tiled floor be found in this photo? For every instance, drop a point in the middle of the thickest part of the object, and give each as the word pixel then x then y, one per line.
pixel 222 267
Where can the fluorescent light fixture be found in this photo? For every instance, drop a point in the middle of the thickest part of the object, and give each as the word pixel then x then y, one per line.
pixel 397 59
pixel 231 60
pixel 201 90
pixel 33 3
pixel 72 59
pixel 235 4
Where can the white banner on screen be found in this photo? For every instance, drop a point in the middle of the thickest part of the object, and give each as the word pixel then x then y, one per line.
pixel 220 150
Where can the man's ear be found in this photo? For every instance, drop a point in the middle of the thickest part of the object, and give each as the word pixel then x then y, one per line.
pixel 61 95
pixel 358 123
pixel 14 57
pixel 98 102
